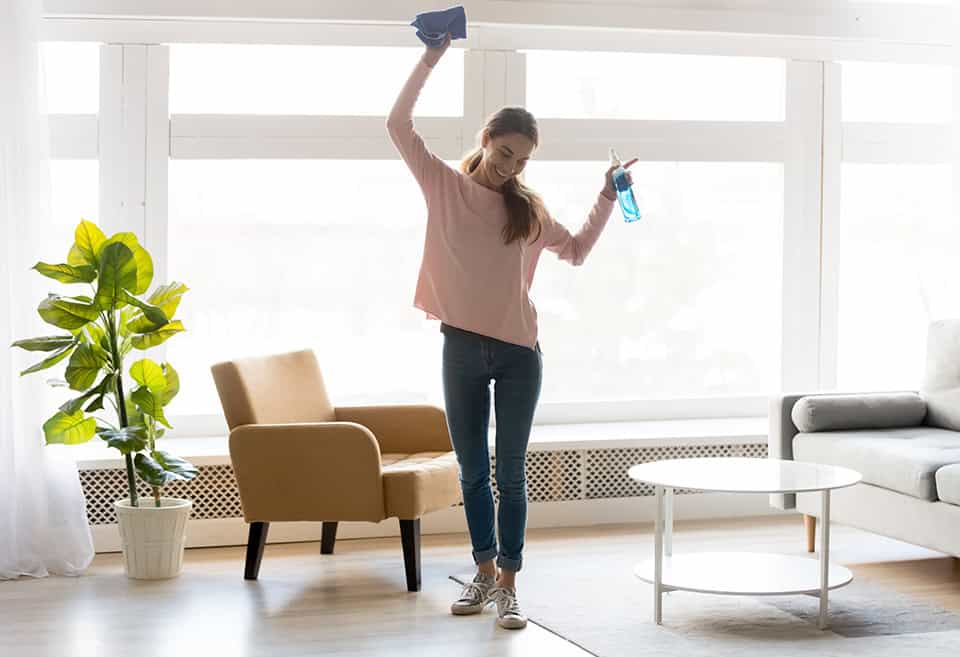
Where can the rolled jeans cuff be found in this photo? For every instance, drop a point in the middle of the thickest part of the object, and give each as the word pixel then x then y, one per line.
pixel 513 565
pixel 484 555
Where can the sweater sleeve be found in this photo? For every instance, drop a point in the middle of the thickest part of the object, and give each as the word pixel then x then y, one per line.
pixel 574 248
pixel 426 167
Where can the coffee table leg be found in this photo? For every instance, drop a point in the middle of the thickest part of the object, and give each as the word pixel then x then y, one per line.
pixel 668 522
pixel 658 558
pixel 824 556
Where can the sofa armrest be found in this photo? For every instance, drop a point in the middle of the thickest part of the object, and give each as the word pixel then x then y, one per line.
pixel 402 428
pixel 780 440
pixel 307 471
pixel 864 410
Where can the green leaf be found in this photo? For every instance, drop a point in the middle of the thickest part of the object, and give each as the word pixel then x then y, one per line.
pixel 95 405
pixel 127 315
pixel 50 361
pixel 142 260
pixel 88 240
pixel 69 429
pixel 148 373
pixel 102 388
pixel 134 414
pixel 150 405
pixel 173 384
pixel 66 314
pixel 83 368
pixel 118 272
pixel 160 468
pixel 74 404
pixel 67 273
pixel 127 439
pixel 151 318
pixel 46 343
pixel 152 339
pixel 94 333
pixel 168 298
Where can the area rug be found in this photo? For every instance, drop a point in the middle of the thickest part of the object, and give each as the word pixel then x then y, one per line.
pixel 592 599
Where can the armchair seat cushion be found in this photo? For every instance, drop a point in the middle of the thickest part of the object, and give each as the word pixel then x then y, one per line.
pixel 415 484
pixel 948 484
pixel 904 460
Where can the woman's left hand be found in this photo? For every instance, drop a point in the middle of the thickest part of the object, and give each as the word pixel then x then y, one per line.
pixel 609 190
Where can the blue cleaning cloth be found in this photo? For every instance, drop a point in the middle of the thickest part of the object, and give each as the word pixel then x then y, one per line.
pixel 432 26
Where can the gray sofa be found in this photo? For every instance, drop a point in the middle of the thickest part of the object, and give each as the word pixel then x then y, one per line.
pixel 905 444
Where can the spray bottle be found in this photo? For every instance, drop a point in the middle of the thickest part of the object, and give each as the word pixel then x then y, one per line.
pixel 628 204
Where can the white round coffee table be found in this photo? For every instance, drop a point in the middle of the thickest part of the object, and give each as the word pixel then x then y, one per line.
pixel 740 573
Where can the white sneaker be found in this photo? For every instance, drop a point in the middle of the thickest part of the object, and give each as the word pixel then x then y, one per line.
pixel 509 615
pixel 475 595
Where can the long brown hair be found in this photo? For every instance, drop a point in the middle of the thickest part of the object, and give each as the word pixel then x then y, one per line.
pixel 525 208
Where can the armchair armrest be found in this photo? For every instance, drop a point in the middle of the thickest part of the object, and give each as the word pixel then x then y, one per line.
pixel 405 428
pixel 307 471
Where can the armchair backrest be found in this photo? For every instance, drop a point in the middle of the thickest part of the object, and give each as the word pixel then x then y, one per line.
pixel 275 389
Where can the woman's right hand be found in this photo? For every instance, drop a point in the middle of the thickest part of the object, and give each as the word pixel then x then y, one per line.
pixel 432 55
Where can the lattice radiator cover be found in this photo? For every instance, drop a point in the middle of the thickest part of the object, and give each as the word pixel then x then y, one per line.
pixel 552 476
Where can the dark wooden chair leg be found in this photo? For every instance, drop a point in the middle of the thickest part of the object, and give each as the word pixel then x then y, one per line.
pixel 255 543
pixel 329 537
pixel 410 536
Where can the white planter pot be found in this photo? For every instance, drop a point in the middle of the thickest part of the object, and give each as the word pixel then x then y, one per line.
pixel 153 537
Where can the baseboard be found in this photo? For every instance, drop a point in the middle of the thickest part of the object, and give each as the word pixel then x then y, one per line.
pixel 573 513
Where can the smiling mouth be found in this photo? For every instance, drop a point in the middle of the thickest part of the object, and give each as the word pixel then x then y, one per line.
pixel 502 175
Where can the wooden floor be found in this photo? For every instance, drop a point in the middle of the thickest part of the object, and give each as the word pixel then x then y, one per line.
pixel 354 602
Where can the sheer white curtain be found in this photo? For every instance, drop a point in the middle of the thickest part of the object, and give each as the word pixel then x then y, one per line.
pixel 956 116
pixel 43 525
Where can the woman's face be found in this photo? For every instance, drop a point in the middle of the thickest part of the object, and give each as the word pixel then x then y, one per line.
pixel 505 156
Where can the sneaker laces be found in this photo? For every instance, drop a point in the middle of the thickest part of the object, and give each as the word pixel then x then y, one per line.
pixel 507 604
pixel 475 591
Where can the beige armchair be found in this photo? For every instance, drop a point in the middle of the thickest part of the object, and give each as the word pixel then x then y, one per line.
pixel 296 457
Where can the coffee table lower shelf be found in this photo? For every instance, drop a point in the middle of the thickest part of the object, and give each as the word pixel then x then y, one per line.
pixel 742 573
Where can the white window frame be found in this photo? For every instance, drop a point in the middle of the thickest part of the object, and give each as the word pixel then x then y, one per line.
pixel 135 135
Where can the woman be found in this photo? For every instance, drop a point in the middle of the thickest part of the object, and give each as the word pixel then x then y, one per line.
pixel 485 232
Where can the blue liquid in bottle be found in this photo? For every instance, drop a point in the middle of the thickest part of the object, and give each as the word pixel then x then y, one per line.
pixel 628 204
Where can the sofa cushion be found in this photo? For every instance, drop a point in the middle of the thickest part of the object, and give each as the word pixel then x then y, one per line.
pixel 416 484
pixel 904 460
pixel 941 385
pixel 875 410
pixel 948 483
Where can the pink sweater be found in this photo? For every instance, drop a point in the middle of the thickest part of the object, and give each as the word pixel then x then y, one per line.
pixel 468 277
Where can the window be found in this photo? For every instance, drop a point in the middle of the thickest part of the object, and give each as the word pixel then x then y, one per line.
pixel 75 192
pixel 617 85
pixel 896 271
pixel 292 254
pixel 683 303
pixel 72 75
pixel 273 79
pixel 896 93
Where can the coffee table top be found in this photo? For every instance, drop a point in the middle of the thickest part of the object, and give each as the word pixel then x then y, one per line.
pixel 744 475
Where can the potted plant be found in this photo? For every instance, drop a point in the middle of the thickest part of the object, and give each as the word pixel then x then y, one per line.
pixel 100 331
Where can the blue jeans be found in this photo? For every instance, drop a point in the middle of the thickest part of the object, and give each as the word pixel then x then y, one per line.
pixel 470 361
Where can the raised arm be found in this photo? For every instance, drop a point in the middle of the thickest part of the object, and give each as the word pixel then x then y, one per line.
pixel 574 248
pixel 425 166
